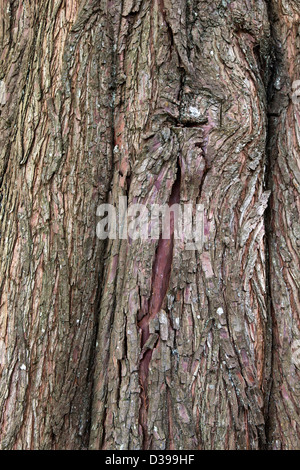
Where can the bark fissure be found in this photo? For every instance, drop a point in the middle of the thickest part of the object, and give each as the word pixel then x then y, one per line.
pixel 160 284
pixel 267 220
pixel 283 411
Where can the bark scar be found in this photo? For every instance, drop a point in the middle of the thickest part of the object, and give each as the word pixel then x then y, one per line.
pixel 160 282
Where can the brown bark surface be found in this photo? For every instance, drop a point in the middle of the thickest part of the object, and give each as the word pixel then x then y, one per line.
pixel 284 229
pixel 134 344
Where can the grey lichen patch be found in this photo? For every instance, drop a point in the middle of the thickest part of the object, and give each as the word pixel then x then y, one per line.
pixel 2 92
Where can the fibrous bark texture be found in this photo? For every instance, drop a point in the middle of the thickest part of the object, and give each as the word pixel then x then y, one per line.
pixel 142 344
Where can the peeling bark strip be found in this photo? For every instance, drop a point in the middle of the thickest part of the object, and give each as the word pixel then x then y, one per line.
pixel 142 344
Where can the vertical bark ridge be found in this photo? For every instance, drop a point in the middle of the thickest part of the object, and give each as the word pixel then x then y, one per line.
pixel 160 282
pixel 283 147
pixel 192 85
pixel 56 150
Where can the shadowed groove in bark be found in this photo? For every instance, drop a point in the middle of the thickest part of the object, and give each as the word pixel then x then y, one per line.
pixel 283 226
pixel 188 131
pixel 113 85
pixel 273 54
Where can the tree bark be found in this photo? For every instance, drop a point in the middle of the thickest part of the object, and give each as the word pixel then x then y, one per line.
pixel 284 234
pixel 141 344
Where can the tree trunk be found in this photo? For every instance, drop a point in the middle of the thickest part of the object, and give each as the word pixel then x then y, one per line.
pixel 142 344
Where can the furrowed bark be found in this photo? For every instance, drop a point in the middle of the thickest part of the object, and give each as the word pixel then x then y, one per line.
pixel 56 148
pixel 194 90
pixel 143 344
pixel 284 235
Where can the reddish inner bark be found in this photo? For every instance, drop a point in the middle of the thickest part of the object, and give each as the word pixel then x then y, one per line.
pixel 160 283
